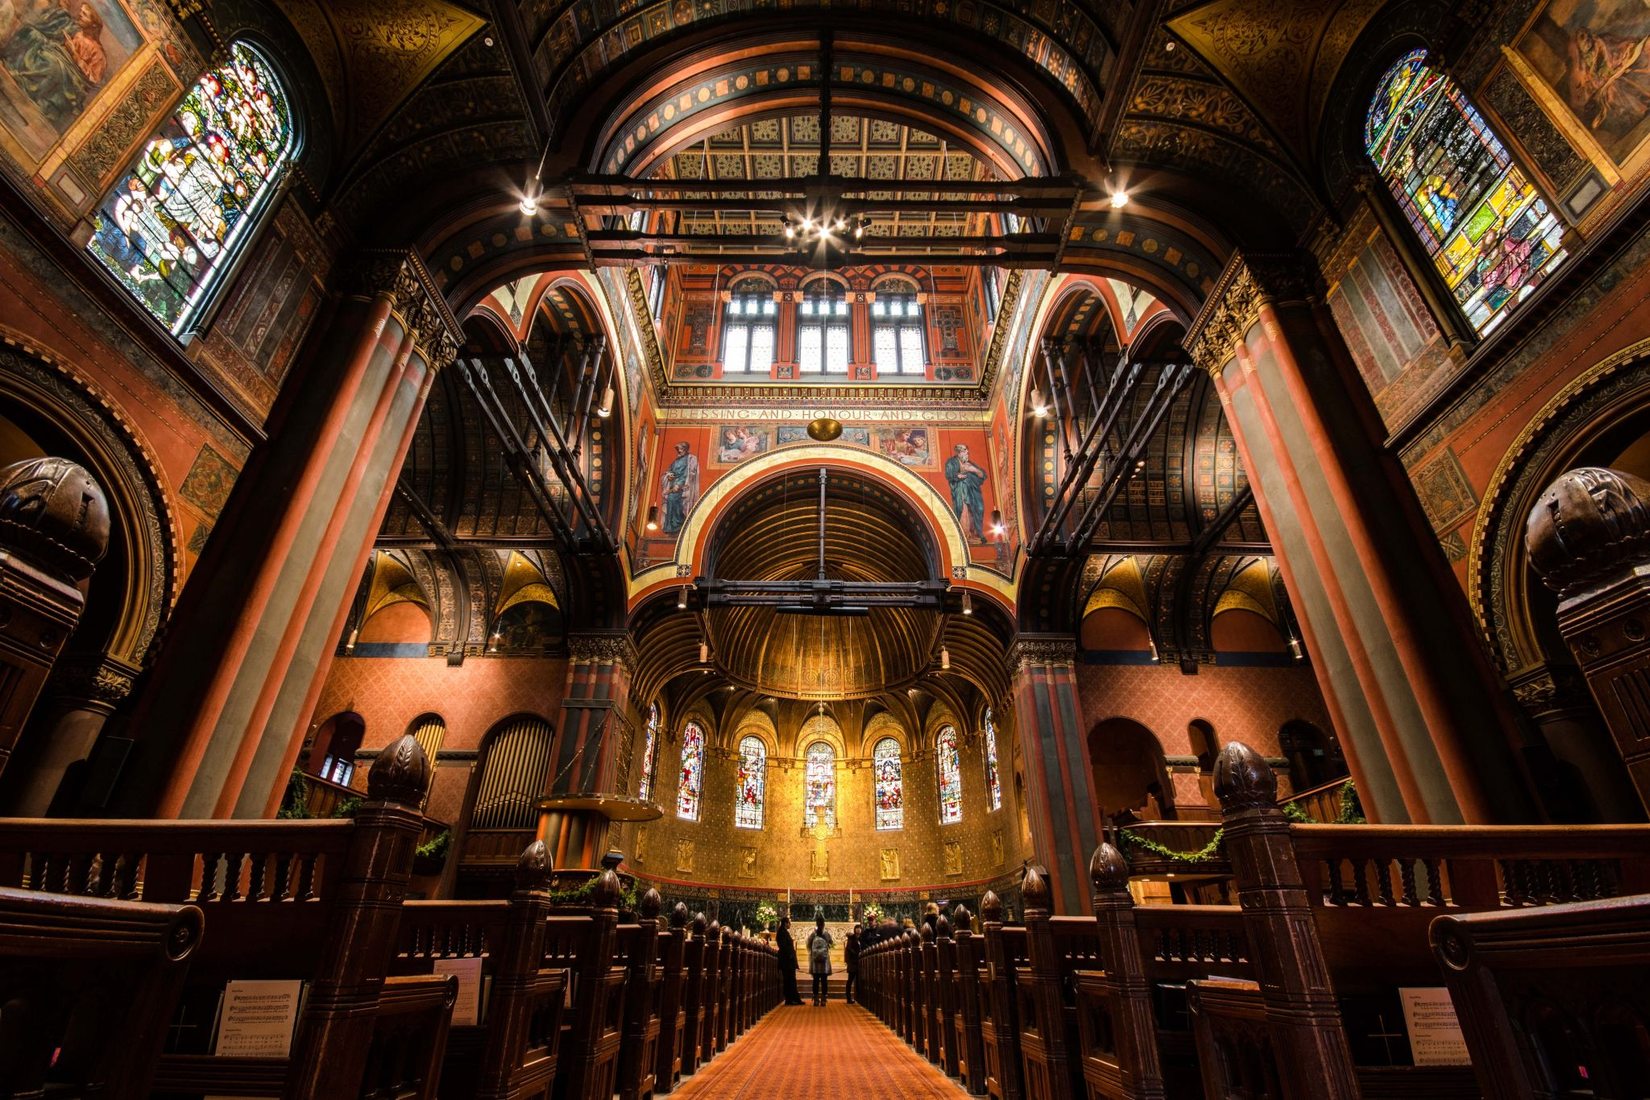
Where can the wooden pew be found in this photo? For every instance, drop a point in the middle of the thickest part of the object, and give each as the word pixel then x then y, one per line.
pixel 672 1012
pixel 585 942
pixel 1551 1000
pixel 946 999
pixel 638 1048
pixel 87 988
pixel 512 1053
pixel 312 900
pixel 1005 957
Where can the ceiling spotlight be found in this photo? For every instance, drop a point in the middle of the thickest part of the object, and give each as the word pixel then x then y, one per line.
pixel 605 409
pixel 652 517
pixel 1119 199
pixel 968 604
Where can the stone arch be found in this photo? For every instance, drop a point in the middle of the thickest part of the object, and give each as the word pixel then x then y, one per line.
pixel 145 534
pixel 1128 763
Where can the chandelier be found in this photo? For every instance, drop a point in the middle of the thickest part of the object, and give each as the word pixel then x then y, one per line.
pixel 807 232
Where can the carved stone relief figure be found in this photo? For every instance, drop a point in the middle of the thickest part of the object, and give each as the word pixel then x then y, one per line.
pixel 684 855
pixel 953 857
pixel 890 864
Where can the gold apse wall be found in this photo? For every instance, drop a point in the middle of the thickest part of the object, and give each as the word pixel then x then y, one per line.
pixel 784 853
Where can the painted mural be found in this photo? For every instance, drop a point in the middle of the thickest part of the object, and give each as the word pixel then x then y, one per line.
pixel 1595 54
pixel 737 442
pixel 907 446
pixel 55 57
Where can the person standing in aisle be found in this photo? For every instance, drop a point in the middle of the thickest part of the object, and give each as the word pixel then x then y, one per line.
pixel 787 962
pixel 819 959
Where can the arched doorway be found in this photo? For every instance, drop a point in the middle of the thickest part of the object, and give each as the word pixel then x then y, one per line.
pixel 1130 779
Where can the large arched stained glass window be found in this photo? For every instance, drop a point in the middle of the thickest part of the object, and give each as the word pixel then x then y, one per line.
pixel 650 753
pixel 993 783
pixel 172 224
pixel 890 784
pixel 692 779
pixel 949 762
pixel 1482 220
pixel 753 783
pixel 819 775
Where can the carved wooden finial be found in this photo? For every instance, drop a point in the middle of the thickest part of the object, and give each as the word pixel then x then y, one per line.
pixel 400 774
pixel 679 915
pixel 962 919
pixel 55 514
pixel 1108 870
pixel 652 904
pixel 926 932
pixel 1243 779
pixel 533 869
pixel 991 906
pixel 699 925
pixel 942 928
pixel 1587 524
pixel 1034 887
pixel 608 889
pixel 715 930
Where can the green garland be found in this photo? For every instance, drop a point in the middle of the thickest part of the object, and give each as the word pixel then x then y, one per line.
pixel 1351 813
pixel 629 899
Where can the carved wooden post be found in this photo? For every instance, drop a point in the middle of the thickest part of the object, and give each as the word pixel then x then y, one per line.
pixel 54 528
pixel 1134 1027
pixel 583 1074
pixel 693 994
pixel 668 1062
pixel 999 1032
pixel 710 1008
pixel 927 993
pixel 638 1048
pixel 970 1055
pixel 329 1053
pixel 511 1007
pixel 1589 538
pixel 945 978
pixel 913 988
pixel 1047 997
pixel 1301 1013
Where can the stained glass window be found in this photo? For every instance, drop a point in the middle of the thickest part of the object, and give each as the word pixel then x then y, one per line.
pixel 692 779
pixel 896 330
pixel 753 782
pixel 950 769
pixel 1480 218
pixel 650 753
pixel 820 777
pixel 169 228
pixel 748 329
pixel 822 335
pixel 890 784
pixel 993 784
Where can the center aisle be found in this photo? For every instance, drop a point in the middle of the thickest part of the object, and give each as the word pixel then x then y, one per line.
pixel 805 1053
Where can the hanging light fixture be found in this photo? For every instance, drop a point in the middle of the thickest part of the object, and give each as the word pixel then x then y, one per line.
pixel 605 409
pixel 945 659
pixel 1039 403
pixel 652 517
pixel 682 598
pixel 997 527
pixel 704 653
pixel 967 603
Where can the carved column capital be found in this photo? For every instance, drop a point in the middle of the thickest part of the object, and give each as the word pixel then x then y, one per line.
pixel 610 646
pixel 399 274
pixel 95 682
pixel 1250 280
pixel 1047 650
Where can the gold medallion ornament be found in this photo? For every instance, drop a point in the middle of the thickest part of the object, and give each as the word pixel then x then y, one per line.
pixel 824 428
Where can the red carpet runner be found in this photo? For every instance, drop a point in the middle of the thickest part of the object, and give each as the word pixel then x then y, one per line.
pixel 806 1053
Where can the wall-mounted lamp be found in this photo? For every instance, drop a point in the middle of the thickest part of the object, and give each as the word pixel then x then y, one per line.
pixel 652 517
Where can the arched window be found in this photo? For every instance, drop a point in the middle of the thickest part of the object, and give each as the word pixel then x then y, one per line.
pixel 896 329
pixel 1481 219
pixel 822 340
pixel 753 783
pixel 949 763
pixel 171 227
pixel 819 775
pixel 748 327
pixel 650 754
pixel 993 783
pixel 890 784
pixel 692 779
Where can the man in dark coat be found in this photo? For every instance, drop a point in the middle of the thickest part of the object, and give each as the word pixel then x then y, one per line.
pixel 787 962
pixel 850 959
